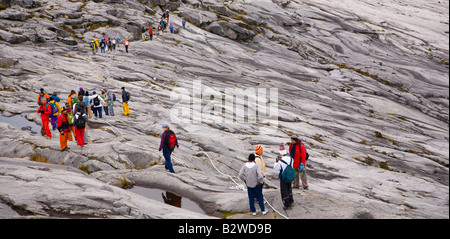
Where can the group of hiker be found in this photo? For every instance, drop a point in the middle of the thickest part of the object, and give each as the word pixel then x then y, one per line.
pixel 107 44
pixel 291 165
pixel 73 116
pixel 110 44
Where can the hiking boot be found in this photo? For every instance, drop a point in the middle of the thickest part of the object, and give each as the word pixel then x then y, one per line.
pixel 265 212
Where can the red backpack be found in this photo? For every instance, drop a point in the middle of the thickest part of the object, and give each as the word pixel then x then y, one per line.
pixel 171 141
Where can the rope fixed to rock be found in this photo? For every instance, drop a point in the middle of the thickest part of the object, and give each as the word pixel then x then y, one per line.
pixel 240 186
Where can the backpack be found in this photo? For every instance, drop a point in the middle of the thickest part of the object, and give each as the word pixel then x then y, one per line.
pixel 128 96
pixel 54 108
pixel 288 174
pixel 92 44
pixel 171 141
pixel 96 101
pixel 70 118
pixel 307 154
pixel 74 100
pixel 114 97
pixel 80 123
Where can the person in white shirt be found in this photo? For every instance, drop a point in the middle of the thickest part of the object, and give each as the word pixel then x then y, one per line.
pixel 286 188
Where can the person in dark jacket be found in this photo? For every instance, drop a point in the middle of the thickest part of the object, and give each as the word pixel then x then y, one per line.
pixel 126 109
pixel 63 128
pixel 164 146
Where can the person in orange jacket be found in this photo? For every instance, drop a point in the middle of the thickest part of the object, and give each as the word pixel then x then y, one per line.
pixel 63 128
pixel 45 110
pixel 150 32
pixel 126 43
pixel 42 95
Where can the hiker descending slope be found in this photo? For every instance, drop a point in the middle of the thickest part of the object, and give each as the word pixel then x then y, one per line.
pixel 168 143
pixel 126 43
pixel 171 28
pixel 283 164
pixel 252 176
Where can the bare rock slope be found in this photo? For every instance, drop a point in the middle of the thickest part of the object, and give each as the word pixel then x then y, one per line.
pixel 364 84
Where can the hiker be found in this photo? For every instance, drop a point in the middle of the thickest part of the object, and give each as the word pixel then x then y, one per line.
pixel 126 43
pixel 125 101
pixel 92 45
pixel 118 40
pixel 252 176
pixel 87 102
pixel 103 46
pixel 171 28
pixel 70 119
pixel 72 99
pixel 167 145
pixel 298 153
pixel 97 107
pixel 109 44
pixel 81 92
pixel 259 159
pixel 105 102
pixel 79 121
pixel 150 33
pixel 56 110
pixel 183 22
pixel 63 128
pixel 160 31
pixel 111 98
pixel 143 33
pixel 286 188
pixel 114 43
pixel 42 95
pixel 45 110
pixel 81 105
pixel 96 44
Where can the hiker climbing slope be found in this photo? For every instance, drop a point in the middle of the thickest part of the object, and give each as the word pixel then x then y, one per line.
pixel 297 152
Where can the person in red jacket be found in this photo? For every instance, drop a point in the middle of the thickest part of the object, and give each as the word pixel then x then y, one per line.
pixel 298 153
pixel 45 110
pixel 150 32
pixel 63 128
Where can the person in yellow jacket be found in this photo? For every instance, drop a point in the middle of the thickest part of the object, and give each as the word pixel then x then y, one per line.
pixel 56 110
pixel 259 159
pixel 96 44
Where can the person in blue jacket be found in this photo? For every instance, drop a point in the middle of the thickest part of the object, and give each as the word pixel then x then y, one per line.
pixel 171 28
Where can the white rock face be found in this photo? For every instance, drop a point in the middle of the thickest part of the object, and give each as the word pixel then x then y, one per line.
pixel 364 84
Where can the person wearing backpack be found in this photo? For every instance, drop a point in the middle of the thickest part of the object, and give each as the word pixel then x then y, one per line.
pixel 283 164
pixel 42 95
pixel 80 121
pixel 251 174
pixel 298 152
pixel 125 101
pixel 168 143
pixel 171 28
pixel 63 128
pixel 97 107
pixel 72 99
pixel 45 110
pixel 56 110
